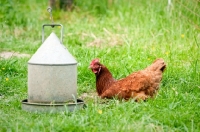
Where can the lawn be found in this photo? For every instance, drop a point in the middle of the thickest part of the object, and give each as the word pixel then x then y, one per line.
pixel 127 36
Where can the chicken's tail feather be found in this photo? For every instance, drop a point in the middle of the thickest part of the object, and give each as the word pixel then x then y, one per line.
pixel 158 64
pixel 163 68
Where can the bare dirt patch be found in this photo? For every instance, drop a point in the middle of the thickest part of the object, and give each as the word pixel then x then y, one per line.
pixel 91 95
pixel 9 54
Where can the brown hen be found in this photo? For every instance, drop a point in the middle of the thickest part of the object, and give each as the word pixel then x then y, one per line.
pixel 139 85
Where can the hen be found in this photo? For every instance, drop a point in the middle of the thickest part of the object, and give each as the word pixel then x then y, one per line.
pixel 139 85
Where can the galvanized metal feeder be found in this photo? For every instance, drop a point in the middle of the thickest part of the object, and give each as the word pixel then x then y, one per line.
pixel 52 77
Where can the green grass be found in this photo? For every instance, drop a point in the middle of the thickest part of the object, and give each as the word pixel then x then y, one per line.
pixel 127 36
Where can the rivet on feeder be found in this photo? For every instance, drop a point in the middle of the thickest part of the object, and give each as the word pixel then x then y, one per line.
pixel 52 77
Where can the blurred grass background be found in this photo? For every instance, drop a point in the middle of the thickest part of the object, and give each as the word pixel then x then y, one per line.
pixel 127 35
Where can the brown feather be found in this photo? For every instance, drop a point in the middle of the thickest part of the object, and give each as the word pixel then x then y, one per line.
pixel 139 85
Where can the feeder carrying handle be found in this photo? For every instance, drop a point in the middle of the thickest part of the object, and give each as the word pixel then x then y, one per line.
pixel 53 25
pixel 49 9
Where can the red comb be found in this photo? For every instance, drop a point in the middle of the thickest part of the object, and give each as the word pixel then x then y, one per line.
pixel 94 61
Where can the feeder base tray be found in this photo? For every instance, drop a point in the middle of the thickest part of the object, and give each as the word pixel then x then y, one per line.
pixel 52 108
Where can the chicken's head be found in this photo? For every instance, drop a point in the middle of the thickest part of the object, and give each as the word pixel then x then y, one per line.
pixel 95 66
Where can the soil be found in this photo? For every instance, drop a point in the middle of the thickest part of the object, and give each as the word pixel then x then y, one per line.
pixel 9 54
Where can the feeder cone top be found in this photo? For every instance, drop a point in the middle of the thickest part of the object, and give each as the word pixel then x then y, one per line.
pixel 52 52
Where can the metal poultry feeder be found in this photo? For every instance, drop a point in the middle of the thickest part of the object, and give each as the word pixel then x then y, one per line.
pixel 52 77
